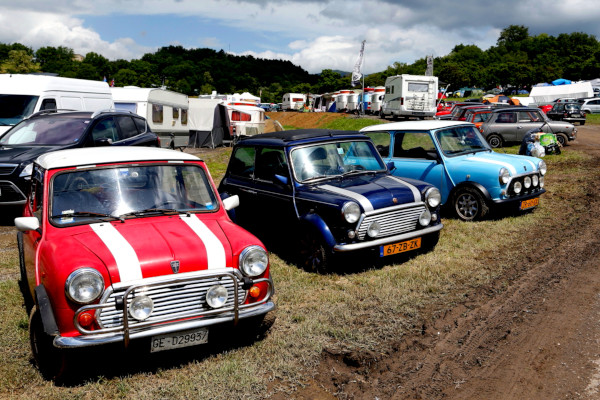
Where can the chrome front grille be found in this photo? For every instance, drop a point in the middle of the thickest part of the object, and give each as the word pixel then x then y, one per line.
pixel 172 301
pixel 393 222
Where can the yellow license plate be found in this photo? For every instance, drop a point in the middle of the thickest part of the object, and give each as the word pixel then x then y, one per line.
pixel 401 247
pixel 530 203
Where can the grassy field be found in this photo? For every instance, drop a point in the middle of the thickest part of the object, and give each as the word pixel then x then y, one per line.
pixel 365 308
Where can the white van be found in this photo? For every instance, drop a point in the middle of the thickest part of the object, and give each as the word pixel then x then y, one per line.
pixel 165 111
pixel 23 95
pixel 410 96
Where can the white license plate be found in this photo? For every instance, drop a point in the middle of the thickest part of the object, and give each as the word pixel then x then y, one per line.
pixel 178 340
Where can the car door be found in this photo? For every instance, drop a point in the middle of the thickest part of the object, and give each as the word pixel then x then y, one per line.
pixel 594 106
pixel 31 239
pixel 527 120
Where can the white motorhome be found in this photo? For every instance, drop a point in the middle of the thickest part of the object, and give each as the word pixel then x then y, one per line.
pixel 246 120
pixel 410 96
pixel 23 95
pixel 165 111
pixel 293 101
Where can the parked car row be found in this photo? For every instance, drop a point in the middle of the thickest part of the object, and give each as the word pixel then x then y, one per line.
pixel 153 252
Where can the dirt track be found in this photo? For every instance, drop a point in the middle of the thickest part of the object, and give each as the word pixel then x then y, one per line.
pixel 533 334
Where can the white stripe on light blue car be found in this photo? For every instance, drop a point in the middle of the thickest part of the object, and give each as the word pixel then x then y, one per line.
pixel 364 202
pixel 508 166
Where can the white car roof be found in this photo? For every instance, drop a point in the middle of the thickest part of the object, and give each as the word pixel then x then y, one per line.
pixel 415 125
pixel 109 154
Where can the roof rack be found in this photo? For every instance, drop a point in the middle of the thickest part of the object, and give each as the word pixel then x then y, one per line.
pixel 48 111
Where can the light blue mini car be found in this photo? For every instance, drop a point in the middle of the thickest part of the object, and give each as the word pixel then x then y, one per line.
pixel 452 155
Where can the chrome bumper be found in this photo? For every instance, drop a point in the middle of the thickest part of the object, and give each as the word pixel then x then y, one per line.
pixel 340 248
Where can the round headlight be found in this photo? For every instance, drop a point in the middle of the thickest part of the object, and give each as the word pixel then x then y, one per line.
pixel 84 285
pixel 517 187
pixel 351 212
pixel 541 181
pixel 425 218
pixel 373 229
pixel 503 176
pixel 433 197
pixel 216 296
pixel 253 261
pixel 542 167
pixel 141 307
pixel 527 182
pixel 535 180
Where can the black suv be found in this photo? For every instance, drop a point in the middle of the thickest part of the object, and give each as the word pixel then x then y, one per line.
pixel 570 112
pixel 327 192
pixel 52 130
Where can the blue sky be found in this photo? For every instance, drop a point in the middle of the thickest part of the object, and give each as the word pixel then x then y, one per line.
pixel 312 34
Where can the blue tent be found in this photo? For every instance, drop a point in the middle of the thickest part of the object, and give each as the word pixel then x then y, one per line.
pixel 332 107
pixel 561 82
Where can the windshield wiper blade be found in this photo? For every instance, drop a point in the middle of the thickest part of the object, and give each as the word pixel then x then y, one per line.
pixel 150 211
pixel 85 214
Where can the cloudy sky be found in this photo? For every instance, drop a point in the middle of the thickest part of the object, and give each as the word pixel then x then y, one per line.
pixel 312 34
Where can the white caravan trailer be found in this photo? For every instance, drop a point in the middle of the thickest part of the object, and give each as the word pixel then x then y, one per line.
pixel 165 111
pixel 246 120
pixel 23 95
pixel 410 96
pixel 377 99
pixel 352 102
pixel 342 100
pixel 293 101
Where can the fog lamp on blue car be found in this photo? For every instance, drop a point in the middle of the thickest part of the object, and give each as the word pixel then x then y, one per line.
pixel 535 180
pixel 425 218
pixel 373 229
pixel 527 182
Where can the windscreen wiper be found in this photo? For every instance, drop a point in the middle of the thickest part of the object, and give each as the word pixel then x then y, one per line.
pixel 147 211
pixel 86 214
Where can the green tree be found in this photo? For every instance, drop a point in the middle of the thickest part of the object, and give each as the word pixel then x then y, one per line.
pixel 59 60
pixel 19 62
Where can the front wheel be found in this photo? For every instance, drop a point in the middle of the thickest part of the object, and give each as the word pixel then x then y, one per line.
pixel 313 254
pixel 495 141
pixel 51 361
pixel 469 204
pixel 562 139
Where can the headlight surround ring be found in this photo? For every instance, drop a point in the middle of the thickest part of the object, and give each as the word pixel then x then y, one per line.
pixel 542 167
pixel 84 285
pixel 351 212
pixel 433 197
pixel 254 261
pixel 503 176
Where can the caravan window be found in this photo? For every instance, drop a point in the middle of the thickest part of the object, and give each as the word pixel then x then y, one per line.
pixel 157 113
pixel 175 113
pixel 240 116
pixel 131 107
pixel 184 113
pixel 418 86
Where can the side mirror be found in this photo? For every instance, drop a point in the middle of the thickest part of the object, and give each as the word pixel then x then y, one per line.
pixel 281 179
pixel 25 224
pixel 231 202
pixel 391 166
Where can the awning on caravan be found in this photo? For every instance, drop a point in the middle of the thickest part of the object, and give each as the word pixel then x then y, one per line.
pixel 209 123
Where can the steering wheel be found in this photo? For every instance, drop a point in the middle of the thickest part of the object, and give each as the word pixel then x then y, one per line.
pixel 78 183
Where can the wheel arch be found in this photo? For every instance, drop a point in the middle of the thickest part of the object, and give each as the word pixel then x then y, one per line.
pixel 42 301
pixel 469 184
pixel 315 224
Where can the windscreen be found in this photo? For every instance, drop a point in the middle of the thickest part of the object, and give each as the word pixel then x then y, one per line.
pixel 460 140
pixel 130 191
pixel 49 130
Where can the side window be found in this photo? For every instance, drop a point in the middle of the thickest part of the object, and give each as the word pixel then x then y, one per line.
pixel 157 113
pixel 36 197
pixel 127 127
pixel 48 104
pixel 382 142
pixel 507 118
pixel 270 162
pixel 184 116
pixel 412 144
pixel 242 162
pixel 140 124
pixel 175 113
pixel 105 129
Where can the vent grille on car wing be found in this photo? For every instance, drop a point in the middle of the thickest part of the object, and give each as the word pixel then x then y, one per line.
pixel 171 301
pixel 393 222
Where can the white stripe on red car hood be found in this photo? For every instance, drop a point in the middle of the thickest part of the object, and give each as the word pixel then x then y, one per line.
pixel 125 256
pixel 214 248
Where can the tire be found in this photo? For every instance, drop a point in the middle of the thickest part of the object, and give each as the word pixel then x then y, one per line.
pixel 495 141
pixel 582 123
pixel 381 114
pixel 562 139
pixel 469 204
pixel 313 254
pixel 51 361
pixel 23 285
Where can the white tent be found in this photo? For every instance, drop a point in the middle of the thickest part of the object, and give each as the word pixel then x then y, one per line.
pixel 547 94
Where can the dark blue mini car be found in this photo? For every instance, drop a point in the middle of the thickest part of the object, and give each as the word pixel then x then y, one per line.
pixel 329 192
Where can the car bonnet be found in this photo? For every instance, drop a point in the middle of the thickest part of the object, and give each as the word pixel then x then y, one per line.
pixel 515 164
pixel 149 247
pixel 370 192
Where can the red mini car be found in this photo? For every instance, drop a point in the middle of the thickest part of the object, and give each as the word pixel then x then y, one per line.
pixel 133 244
